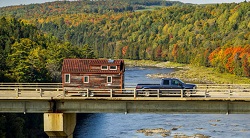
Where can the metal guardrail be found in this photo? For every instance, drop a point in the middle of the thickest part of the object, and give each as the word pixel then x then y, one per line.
pixel 36 93
pixel 207 86
pixel 40 85
pixel 30 92
pixel 223 86
pixel 128 85
pixel 51 90
pixel 181 93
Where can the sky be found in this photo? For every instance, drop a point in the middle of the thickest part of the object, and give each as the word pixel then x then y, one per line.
pixel 4 3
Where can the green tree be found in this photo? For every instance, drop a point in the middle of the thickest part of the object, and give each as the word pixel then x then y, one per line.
pixel 17 60
pixel 87 52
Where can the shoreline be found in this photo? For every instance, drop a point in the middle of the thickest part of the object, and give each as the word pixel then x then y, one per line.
pixel 190 73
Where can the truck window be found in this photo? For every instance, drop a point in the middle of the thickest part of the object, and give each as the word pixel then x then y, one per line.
pixel 175 82
pixel 165 82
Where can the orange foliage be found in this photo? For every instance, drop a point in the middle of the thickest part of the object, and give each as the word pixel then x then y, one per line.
pixel 232 55
pixel 233 51
pixel 124 50
pixel 213 54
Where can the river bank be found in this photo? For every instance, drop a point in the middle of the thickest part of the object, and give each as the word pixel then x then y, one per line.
pixel 160 125
pixel 190 73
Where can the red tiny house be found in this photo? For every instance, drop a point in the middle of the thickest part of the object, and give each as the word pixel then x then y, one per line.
pixel 93 73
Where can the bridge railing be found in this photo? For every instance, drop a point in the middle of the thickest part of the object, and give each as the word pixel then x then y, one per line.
pixel 127 85
pixel 223 86
pixel 159 93
pixel 29 85
pixel 30 92
pixel 43 90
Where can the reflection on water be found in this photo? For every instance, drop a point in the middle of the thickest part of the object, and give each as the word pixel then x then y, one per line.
pixel 110 125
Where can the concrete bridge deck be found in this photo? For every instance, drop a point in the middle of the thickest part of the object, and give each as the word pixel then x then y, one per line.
pixel 40 98
pixel 60 105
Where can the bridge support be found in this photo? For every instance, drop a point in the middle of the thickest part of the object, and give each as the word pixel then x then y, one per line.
pixel 59 125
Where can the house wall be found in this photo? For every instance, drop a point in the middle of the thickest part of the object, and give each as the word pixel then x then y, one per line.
pixel 97 74
pixel 98 81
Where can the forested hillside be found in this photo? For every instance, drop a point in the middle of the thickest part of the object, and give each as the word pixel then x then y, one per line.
pixel 208 35
pixel 81 6
pixel 34 39
pixel 184 34
pixel 27 55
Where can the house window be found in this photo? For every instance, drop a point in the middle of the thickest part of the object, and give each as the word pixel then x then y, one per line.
pixel 113 67
pixel 109 79
pixel 86 79
pixel 104 67
pixel 67 78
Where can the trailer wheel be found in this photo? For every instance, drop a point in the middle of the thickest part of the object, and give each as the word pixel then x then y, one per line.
pixel 188 93
pixel 147 93
pixel 84 94
pixel 91 94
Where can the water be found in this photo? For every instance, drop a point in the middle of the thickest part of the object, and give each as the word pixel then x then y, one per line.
pixel 109 125
pixel 134 75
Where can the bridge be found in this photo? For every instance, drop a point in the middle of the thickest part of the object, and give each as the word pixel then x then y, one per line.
pixel 60 105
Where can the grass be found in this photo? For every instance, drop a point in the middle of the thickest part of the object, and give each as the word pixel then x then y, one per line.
pixel 210 75
pixel 192 73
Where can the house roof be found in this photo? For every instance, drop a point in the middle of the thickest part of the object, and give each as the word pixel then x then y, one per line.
pixel 83 65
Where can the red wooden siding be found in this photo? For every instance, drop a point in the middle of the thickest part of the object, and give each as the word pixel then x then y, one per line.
pixel 78 68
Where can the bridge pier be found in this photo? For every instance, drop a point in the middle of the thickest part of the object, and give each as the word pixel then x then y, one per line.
pixel 59 125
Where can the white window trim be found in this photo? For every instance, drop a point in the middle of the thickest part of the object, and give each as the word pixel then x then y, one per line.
pixel 108 79
pixel 65 75
pixel 104 69
pixel 84 79
pixel 113 69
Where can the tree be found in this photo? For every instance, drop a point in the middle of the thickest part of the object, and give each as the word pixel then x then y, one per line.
pixel 17 60
pixel 246 65
pixel 87 52
pixel 15 126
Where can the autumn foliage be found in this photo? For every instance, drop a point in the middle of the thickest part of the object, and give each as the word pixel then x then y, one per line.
pixel 234 60
pixel 203 35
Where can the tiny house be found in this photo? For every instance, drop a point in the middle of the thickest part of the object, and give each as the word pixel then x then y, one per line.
pixel 93 73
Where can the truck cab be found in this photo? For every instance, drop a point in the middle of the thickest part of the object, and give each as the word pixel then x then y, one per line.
pixel 167 83
pixel 173 83
pixel 168 86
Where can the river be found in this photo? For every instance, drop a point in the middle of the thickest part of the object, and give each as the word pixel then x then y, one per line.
pixel 114 125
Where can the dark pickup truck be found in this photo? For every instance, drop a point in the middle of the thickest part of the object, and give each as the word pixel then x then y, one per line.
pixel 171 86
